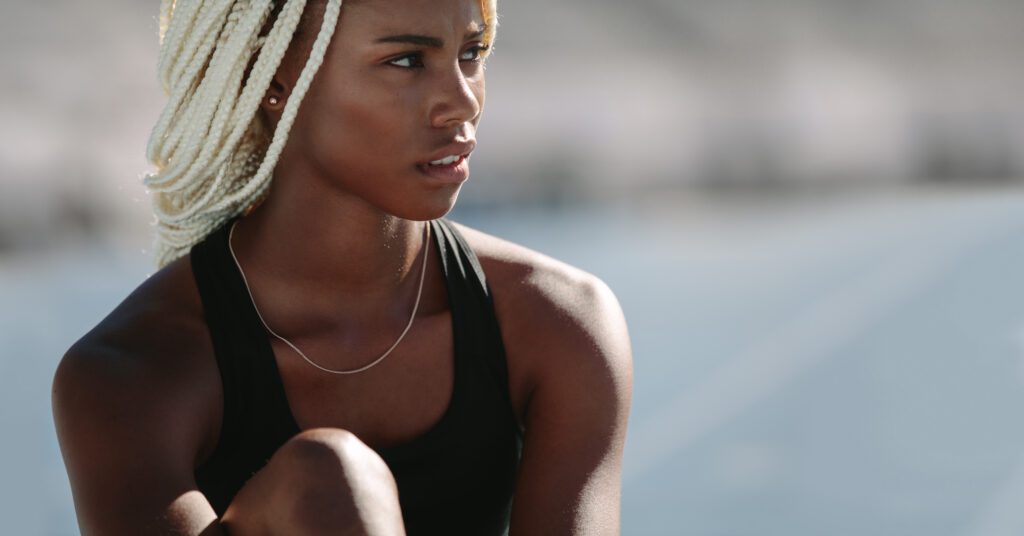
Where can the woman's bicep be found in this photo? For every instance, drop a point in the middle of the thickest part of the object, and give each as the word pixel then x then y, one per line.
pixel 128 447
pixel 570 476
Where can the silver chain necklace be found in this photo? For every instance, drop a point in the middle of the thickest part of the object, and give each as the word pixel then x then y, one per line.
pixel 412 317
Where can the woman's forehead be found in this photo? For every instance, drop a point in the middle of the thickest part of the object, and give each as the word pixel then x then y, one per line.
pixel 416 15
pixel 413 9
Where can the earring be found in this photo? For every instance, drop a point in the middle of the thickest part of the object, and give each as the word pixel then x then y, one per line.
pixel 273 100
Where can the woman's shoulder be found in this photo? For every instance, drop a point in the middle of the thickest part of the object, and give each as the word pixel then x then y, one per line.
pixel 554 317
pixel 507 264
pixel 534 281
pixel 149 358
pixel 162 315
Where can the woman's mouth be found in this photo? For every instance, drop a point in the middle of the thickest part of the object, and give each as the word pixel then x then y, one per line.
pixel 446 160
pixel 452 169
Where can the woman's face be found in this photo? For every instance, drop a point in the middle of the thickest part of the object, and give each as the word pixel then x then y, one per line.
pixel 402 84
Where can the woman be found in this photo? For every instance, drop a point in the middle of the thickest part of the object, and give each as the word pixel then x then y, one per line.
pixel 324 353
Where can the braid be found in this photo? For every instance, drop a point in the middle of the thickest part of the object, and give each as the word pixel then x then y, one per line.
pixel 212 152
pixel 215 101
pixel 175 21
pixel 259 184
pixel 166 6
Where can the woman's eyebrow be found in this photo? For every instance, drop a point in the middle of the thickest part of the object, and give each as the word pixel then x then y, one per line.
pixel 426 40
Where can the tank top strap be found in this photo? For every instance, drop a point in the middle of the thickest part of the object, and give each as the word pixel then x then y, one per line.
pixel 467 284
pixel 254 396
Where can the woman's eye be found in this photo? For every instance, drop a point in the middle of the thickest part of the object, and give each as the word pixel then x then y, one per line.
pixel 474 53
pixel 409 61
pixel 415 60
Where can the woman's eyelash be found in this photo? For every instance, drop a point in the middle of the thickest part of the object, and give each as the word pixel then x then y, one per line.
pixel 416 61
pixel 480 51
pixel 416 58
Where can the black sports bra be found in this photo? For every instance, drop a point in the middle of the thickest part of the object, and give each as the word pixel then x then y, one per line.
pixel 457 478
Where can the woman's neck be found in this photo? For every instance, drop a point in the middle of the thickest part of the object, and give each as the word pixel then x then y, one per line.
pixel 315 244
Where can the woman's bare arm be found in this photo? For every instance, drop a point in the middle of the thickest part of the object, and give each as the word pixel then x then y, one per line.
pixel 130 427
pixel 570 477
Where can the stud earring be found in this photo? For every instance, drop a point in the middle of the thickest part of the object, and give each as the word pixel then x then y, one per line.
pixel 273 100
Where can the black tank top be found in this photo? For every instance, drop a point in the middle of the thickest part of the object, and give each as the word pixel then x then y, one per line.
pixel 457 478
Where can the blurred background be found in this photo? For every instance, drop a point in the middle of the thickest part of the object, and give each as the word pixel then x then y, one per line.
pixel 811 211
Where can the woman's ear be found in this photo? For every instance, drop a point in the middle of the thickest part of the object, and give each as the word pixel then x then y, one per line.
pixel 276 96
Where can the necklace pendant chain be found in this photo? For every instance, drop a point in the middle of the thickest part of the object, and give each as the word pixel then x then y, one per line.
pixel 412 317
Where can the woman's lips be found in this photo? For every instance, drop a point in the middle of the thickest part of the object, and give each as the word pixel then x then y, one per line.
pixel 455 173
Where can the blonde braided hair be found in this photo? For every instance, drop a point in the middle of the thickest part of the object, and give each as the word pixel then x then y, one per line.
pixel 213 155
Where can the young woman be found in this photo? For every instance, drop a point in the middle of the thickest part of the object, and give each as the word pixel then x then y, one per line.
pixel 325 353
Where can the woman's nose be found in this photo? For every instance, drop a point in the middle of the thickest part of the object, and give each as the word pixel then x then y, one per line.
pixel 457 99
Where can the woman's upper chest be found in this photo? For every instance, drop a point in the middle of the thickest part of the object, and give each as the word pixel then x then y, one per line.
pixel 392 402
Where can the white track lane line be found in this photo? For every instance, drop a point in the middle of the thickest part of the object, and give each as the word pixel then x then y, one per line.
pixel 1004 513
pixel 823 328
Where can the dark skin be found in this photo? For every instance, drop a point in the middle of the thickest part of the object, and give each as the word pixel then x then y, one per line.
pixel 333 258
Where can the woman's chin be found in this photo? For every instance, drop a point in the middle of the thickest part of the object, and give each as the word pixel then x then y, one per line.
pixel 429 207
